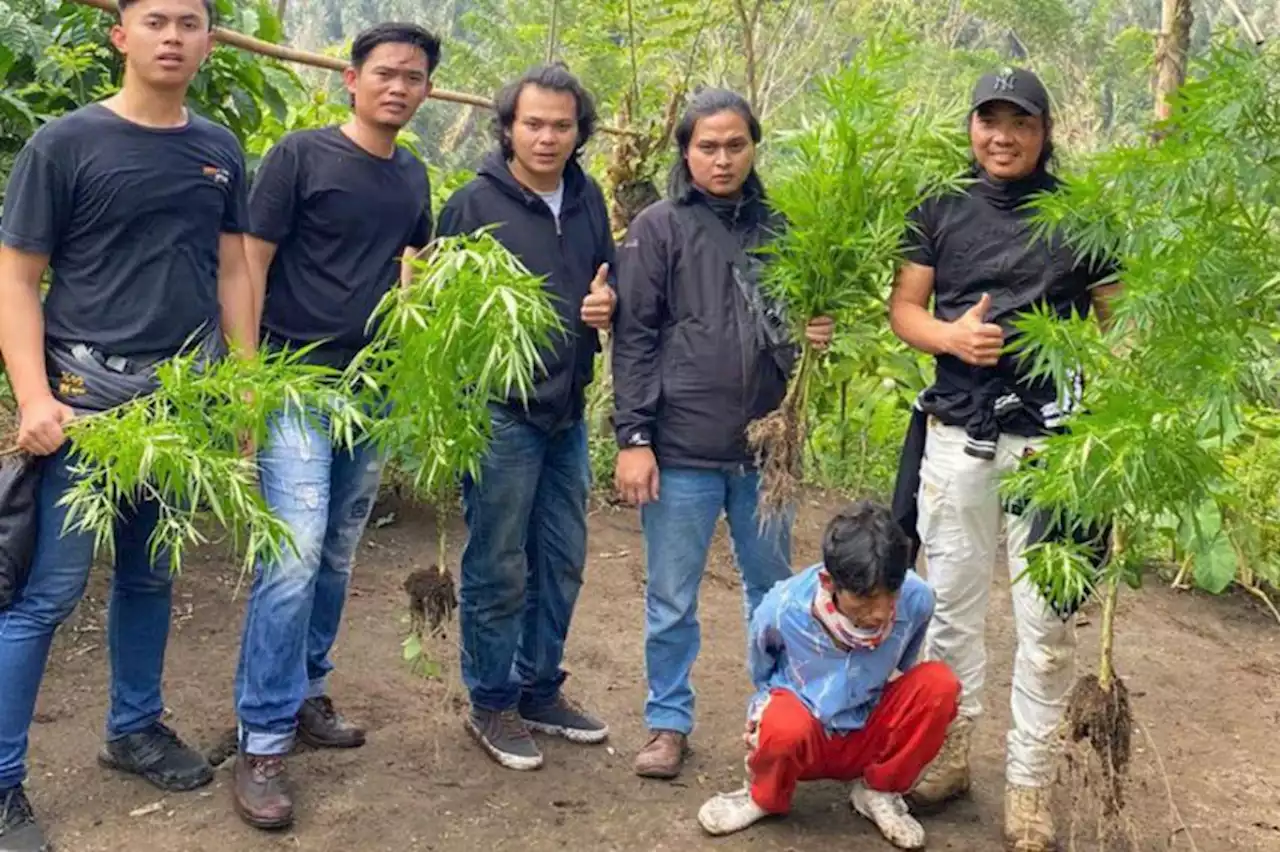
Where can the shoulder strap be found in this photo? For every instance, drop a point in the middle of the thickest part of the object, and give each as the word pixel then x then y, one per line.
pixel 724 240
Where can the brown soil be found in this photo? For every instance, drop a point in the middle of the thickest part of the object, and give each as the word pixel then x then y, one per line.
pixel 1204 677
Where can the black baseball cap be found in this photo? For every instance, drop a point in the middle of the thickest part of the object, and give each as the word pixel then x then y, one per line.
pixel 1017 86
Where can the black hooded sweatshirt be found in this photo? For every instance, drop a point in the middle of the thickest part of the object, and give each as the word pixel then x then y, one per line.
pixel 567 252
pixel 689 368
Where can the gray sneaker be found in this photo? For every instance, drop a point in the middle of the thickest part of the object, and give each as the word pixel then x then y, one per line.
pixel 504 735
pixel 568 720
pixel 19 831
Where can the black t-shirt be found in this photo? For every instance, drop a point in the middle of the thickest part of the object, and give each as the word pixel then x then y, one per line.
pixel 340 218
pixel 130 217
pixel 982 241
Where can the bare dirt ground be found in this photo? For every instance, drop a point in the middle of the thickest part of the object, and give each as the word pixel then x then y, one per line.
pixel 1205 676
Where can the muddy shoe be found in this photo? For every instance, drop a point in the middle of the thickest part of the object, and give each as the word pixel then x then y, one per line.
pixel 947 777
pixel 320 726
pixel 568 720
pixel 730 812
pixel 663 756
pixel 1028 822
pixel 19 831
pixel 158 755
pixel 504 735
pixel 260 791
pixel 889 812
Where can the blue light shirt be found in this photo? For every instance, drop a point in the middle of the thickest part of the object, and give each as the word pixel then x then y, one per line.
pixel 791 650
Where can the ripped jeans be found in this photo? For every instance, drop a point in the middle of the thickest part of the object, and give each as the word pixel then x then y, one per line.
pixel 959 525
pixel 325 495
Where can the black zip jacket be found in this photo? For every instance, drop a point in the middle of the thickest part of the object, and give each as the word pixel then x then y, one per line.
pixel 688 371
pixel 567 252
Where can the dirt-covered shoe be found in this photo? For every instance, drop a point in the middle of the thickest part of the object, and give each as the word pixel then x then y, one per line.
pixel 947 777
pixel 1028 820
pixel 566 719
pixel 160 756
pixel 19 831
pixel 663 756
pixel 727 813
pixel 505 736
pixel 260 791
pixel 889 813
pixel 320 726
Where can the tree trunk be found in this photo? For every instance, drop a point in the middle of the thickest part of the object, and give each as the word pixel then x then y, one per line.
pixel 282 6
pixel 1171 55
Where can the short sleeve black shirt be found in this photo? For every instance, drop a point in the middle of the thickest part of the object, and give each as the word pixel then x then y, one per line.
pixel 978 243
pixel 341 218
pixel 130 217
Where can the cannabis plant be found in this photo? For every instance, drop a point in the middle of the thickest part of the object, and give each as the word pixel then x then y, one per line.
pixel 847 183
pixel 1194 224
pixel 467 332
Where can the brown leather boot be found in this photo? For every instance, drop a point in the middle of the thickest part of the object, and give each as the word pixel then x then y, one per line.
pixel 260 791
pixel 320 726
pixel 663 756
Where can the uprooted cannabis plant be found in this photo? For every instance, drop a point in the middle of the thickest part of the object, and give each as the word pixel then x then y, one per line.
pixel 465 332
pixel 846 184
pixel 1194 223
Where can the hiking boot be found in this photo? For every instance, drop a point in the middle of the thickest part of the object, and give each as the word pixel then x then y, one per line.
pixel 19 831
pixel 504 735
pixel 260 791
pixel 158 755
pixel 320 726
pixel 947 777
pixel 889 812
pixel 568 720
pixel 663 756
pixel 730 812
pixel 1028 821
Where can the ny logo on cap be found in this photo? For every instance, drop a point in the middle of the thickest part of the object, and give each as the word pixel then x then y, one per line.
pixel 1005 81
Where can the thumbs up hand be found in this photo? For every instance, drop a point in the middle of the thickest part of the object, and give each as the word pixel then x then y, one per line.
pixel 974 340
pixel 598 306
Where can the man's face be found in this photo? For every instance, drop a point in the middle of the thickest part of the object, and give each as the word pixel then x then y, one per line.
pixel 867 612
pixel 391 84
pixel 1007 142
pixel 164 42
pixel 721 153
pixel 545 131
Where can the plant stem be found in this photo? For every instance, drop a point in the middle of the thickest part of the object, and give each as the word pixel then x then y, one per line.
pixel 1106 666
pixel 441 537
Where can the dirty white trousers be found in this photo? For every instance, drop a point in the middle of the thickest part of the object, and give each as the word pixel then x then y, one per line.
pixel 959 524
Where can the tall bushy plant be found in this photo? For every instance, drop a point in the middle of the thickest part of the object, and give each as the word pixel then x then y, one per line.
pixel 845 184
pixel 1194 222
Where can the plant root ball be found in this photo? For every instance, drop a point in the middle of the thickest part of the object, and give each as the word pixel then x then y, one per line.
pixel 1105 719
pixel 432 598
pixel 777 440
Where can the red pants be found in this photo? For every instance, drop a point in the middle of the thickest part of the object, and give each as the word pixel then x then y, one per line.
pixel 905 732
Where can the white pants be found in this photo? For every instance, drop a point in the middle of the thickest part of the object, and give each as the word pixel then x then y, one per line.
pixel 960 514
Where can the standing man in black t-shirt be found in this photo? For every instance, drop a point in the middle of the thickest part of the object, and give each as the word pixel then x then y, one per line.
pixel 527 511
pixel 137 207
pixel 332 213
pixel 976 256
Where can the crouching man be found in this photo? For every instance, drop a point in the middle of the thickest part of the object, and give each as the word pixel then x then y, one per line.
pixel 824 649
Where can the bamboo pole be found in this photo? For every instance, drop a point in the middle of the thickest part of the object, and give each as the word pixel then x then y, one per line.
pixel 239 40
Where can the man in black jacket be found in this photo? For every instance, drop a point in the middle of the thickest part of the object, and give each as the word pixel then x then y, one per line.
pixel 526 513
pixel 699 352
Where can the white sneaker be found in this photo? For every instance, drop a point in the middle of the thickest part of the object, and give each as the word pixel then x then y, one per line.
pixel 730 812
pixel 889 812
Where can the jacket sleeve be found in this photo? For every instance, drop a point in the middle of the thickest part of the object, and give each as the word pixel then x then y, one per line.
pixel 764 643
pixel 454 216
pixel 643 263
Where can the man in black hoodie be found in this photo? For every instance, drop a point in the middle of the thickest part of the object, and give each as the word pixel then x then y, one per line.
pixel 526 514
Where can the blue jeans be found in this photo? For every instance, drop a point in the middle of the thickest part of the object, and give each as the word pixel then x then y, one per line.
pixel 523 563
pixel 324 495
pixel 137 619
pixel 678 528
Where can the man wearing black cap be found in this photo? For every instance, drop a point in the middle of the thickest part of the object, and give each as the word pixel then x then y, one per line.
pixel 975 255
